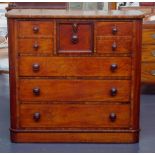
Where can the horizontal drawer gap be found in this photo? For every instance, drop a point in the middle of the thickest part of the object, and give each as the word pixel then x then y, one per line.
pixel 80 78
pixel 74 102
pixel 103 130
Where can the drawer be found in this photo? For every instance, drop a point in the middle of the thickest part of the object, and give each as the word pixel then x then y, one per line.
pixel 114 28
pixel 35 28
pixel 74 115
pixel 148 53
pixel 148 36
pixel 75 66
pixel 34 46
pixel 75 37
pixel 148 72
pixel 74 90
pixel 113 44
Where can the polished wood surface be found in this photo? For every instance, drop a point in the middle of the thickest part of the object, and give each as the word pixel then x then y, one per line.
pixel 74 90
pixel 77 116
pixel 90 92
pixel 35 28
pixel 34 46
pixel 75 66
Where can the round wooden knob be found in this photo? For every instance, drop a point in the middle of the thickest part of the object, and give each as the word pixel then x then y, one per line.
pixel 114 46
pixel 35 29
pixel 113 91
pixel 112 116
pixel 113 67
pixel 36 67
pixel 36 91
pixel 114 30
pixel 75 39
pixel 36 46
pixel 36 116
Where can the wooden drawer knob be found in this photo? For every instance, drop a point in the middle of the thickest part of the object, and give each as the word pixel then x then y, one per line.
pixel 114 30
pixel 75 39
pixel 113 91
pixel 36 91
pixel 114 46
pixel 35 29
pixel 113 67
pixel 36 46
pixel 36 116
pixel 36 67
pixel 112 116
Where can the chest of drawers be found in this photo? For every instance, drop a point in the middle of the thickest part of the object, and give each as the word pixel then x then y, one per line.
pixel 148 50
pixel 74 76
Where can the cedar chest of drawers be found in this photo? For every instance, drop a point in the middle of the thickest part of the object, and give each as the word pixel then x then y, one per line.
pixel 74 75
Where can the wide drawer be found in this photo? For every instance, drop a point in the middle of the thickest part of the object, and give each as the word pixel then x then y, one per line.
pixel 148 36
pixel 35 28
pixel 74 115
pixel 74 90
pixel 34 46
pixel 113 44
pixel 148 53
pixel 148 72
pixel 114 28
pixel 75 66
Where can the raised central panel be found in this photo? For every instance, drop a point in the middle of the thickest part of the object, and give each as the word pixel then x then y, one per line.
pixel 74 37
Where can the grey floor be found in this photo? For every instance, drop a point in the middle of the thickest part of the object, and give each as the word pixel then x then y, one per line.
pixel 146 144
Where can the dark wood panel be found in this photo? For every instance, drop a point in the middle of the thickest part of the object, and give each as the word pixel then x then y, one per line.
pixel 75 37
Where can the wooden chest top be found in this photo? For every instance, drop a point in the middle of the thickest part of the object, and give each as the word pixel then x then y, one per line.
pixel 40 13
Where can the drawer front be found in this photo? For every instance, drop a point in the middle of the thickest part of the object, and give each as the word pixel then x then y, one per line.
pixel 74 115
pixel 148 53
pixel 34 46
pixel 35 28
pixel 74 90
pixel 148 36
pixel 148 72
pixel 113 44
pixel 114 28
pixel 75 37
pixel 74 66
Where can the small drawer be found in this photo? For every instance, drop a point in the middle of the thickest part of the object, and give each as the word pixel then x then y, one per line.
pixel 113 44
pixel 148 53
pixel 148 36
pixel 75 37
pixel 34 46
pixel 148 72
pixel 74 90
pixel 35 28
pixel 74 116
pixel 114 28
pixel 75 66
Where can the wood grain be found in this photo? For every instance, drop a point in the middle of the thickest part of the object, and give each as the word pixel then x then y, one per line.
pixel 105 28
pixel 26 28
pixel 45 46
pixel 74 90
pixel 75 66
pixel 74 115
